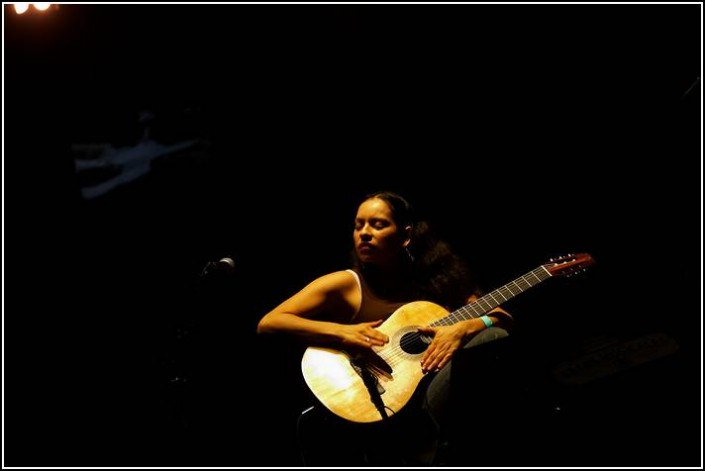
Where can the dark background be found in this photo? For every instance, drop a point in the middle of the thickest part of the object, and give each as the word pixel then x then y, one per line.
pixel 521 131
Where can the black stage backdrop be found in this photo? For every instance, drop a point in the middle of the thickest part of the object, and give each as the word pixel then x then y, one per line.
pixel 522 131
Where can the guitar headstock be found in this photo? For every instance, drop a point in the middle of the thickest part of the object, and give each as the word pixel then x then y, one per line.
pixel 569 265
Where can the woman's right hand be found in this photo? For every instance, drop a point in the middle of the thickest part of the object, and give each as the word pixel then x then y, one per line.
pixel 363 335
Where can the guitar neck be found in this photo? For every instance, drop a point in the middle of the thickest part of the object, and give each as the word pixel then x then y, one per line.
pixel 495 298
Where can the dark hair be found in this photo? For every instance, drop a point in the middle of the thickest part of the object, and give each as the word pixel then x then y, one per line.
pixel 402 211
pixel 437 273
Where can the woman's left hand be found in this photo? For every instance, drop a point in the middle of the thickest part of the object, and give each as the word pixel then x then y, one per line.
pixel 446 340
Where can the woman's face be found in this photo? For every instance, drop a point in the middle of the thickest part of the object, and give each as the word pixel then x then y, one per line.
pixel 377 237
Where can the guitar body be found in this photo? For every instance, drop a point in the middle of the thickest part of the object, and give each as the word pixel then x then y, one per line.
pixel 336 383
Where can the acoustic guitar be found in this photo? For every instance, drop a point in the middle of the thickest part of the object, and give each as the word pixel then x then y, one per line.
pixel 369 387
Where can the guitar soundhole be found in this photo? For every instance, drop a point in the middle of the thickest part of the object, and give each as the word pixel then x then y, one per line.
pixel 413 342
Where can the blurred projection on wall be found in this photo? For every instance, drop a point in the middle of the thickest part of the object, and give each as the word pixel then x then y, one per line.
pixel 102 167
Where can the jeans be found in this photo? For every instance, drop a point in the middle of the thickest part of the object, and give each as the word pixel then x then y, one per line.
pixel 436 398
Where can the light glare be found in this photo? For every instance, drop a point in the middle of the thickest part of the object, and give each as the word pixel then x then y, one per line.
pixel 21 7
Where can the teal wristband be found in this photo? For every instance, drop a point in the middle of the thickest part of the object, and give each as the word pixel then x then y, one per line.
pixel 487 321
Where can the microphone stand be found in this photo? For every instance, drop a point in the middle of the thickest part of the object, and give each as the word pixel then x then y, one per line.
pixel 190 358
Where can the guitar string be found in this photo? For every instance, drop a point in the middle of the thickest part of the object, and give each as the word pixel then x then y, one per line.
pixel 469 311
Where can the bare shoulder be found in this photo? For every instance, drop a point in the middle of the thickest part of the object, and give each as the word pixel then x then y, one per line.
pixel 342 281
pixel 336 295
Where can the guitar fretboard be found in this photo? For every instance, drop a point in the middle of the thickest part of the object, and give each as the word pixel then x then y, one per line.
pixel 495 298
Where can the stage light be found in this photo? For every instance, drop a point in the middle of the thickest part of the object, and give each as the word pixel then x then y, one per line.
pixel 21 8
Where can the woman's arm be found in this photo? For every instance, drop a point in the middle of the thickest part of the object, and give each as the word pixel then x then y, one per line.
pixel 448 339
pixel 500 318
pixel 303 315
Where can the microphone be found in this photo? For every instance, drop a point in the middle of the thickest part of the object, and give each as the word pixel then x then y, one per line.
pixel 225 266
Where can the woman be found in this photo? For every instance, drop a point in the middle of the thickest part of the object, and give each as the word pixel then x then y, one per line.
pixel 396 260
